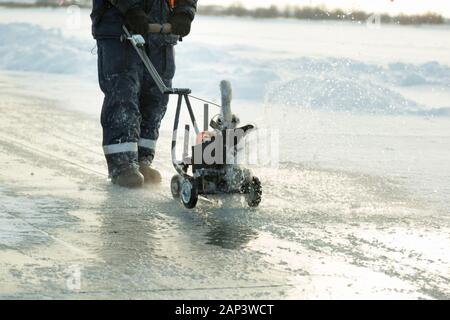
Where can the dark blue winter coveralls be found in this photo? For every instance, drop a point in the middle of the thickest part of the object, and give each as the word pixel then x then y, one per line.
pixel 133 106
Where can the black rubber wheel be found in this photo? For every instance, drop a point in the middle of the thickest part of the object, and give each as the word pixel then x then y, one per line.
pixel 188 193
pixel 175 186
pixel 254 192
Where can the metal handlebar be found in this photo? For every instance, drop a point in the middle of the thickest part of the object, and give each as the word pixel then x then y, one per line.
pixel 138 43
pixel 165 28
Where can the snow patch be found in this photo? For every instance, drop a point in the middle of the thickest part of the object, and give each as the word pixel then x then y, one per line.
pixel 431 73
pixel 333 84
pixel 339 94
pixel 26 47
pixel 347 85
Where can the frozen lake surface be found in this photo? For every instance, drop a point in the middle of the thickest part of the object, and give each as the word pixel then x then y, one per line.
pixel 357 208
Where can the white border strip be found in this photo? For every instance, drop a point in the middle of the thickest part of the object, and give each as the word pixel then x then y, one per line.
pixel 147 143
pixel 120 148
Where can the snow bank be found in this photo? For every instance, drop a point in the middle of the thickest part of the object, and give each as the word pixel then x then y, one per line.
pixel 26 47
pixel 431 73
pixel 336 84
pixel 349 85
pixel 339 94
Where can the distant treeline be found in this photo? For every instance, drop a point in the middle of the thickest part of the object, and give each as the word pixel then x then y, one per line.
pixel 293 12
pixel 317 13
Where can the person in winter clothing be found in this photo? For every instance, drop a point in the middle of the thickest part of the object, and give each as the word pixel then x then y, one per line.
pixel 133 106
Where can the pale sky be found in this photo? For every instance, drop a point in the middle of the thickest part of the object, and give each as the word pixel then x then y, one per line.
pixel 388 6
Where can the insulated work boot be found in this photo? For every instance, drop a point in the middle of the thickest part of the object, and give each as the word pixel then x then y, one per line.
pixel 150 175
pixel 130 178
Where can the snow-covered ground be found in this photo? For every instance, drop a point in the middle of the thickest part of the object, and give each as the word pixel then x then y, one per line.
pixel 357 208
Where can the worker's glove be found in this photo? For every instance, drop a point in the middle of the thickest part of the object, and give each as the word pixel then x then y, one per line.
pixel 181 24
pixel 137 20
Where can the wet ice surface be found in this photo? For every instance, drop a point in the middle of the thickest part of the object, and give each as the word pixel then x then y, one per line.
pixel 358 207
pixel 319 233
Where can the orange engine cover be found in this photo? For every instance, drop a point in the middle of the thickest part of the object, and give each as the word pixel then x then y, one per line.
pixel 204 136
